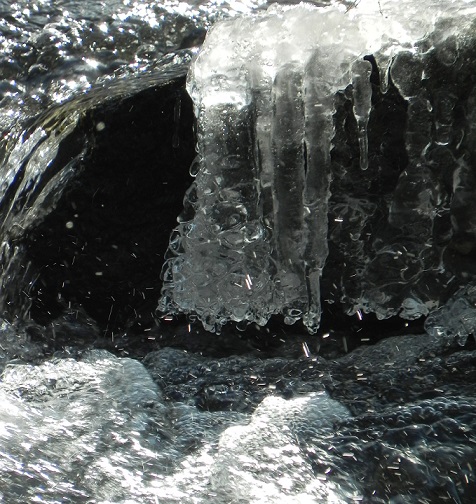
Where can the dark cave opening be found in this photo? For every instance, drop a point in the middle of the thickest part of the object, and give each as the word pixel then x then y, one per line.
pixel 101 249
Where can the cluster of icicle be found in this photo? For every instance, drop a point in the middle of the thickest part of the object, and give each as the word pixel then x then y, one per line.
pixel 252 240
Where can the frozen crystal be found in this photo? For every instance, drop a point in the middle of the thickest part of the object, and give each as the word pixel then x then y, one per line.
pixel 456 320
pixel 277 217
pixel 361 72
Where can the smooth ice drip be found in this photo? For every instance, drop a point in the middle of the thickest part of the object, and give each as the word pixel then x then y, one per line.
pixel 253 238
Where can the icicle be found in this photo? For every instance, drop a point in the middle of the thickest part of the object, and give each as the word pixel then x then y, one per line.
pixel 319 131
pixel 361 71
pixel 383 62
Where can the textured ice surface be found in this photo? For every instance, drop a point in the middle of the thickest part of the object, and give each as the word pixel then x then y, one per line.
pixel 293 134
pixel 77 428
pixel 262 461
pixel 456 320
pixel 98 428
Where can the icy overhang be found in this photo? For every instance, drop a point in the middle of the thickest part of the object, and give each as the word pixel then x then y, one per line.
pixel 305 190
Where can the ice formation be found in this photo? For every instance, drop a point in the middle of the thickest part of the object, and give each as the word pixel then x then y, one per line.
pixel 268 89
pixel 456 320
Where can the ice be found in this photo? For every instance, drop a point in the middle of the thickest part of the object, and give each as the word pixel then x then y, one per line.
pixel 268 92
pixel 181 427
pixel 97 427
pixel 362 89
pixel 277 425
pixel 68 420
pixel 456 320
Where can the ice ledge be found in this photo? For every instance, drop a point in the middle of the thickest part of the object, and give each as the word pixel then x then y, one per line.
pixel 254 237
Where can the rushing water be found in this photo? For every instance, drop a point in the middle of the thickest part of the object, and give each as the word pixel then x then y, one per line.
pixel 181 415
pixel 393 422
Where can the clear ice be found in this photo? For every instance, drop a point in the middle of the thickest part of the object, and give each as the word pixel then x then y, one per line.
pixel 254 238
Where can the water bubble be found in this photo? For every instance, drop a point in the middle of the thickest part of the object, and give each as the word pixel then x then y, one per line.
pixel 195 167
